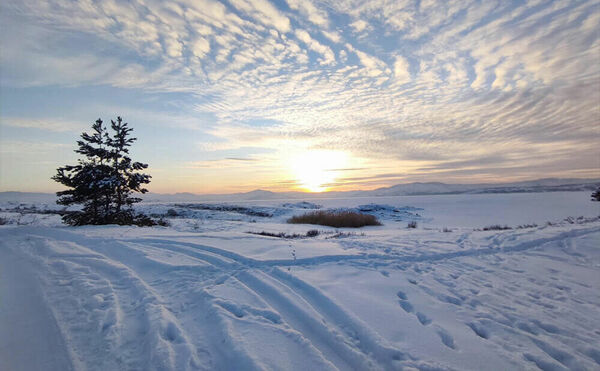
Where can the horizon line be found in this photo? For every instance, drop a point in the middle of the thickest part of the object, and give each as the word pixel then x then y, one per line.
pixel 585 180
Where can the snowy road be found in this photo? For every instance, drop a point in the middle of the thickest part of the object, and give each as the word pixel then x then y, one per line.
pixel 139 298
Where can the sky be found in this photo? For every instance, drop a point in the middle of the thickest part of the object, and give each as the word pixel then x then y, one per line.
pixel 284 95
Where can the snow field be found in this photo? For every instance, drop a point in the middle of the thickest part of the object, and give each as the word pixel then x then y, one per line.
pixel 218 298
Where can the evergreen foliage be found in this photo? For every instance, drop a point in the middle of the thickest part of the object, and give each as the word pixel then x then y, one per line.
pixel 105 179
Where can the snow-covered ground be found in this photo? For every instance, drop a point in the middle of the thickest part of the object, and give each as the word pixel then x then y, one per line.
pixel 206 294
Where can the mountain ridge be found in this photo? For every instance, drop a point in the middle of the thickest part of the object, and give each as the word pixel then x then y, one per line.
pixel 404 189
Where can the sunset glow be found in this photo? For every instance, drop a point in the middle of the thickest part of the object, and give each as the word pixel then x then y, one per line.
pixel 258 94
pixel 315 171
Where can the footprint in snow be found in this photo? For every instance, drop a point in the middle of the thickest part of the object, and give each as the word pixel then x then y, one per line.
pixel 404 303
pixel 231 308
pixel 525 327
pixel 479 330
pixel 446 338
pixel 407 306
pixel 450 299
pixel 423 319
pixel 172 333
pixel 402 295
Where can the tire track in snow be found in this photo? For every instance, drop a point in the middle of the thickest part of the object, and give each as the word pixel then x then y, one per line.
pixel 128 314
pixel 344 340
pixel 360 334
pixel 222 355
pixel 307 322
pixel 176 281
pixel 496 248
pixel 314 299
pixel 141 312
pixel 293 298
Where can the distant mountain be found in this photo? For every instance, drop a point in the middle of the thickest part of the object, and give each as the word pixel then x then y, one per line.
pixel 191 197
pixel 539 185
pixel 408 189
pixel 259 194
pixel 422 189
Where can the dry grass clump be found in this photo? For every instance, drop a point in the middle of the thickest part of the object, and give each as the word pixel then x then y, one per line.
pixel 311 233
pixel 337 219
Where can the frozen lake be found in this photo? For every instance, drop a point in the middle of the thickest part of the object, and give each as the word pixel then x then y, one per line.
pixel 477 210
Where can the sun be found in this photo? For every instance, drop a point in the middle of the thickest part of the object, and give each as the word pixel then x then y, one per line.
pixel 316 170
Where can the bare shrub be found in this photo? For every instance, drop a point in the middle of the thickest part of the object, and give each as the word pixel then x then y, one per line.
pixel 412 224
pixel 338 234
pixel 163 222
pixel 172 213
pixel 337 219
pixel 596 195
pixel 495 227
pixel 311 233
pixel 525 226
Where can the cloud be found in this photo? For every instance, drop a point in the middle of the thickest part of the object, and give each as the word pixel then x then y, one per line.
pixel 240 159
pixel 326 52
pixel 332 35
pixel 32 150
pixel 264 12
pixel 401 70
pixel 310 11
pixel 201 47
pixel 375 67
pixel 439 85
pixel 359 25
pixel 173 47
pixel 57 125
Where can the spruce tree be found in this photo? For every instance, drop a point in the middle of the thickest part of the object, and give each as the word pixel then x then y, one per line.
pixel 104 181
pixel 126 178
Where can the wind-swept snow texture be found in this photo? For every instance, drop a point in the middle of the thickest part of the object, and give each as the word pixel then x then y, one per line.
pixel 209 296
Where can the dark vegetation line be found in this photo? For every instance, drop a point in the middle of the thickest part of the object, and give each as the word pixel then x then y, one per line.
pixel 311 233
pixel 229 208
pixel 34 210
